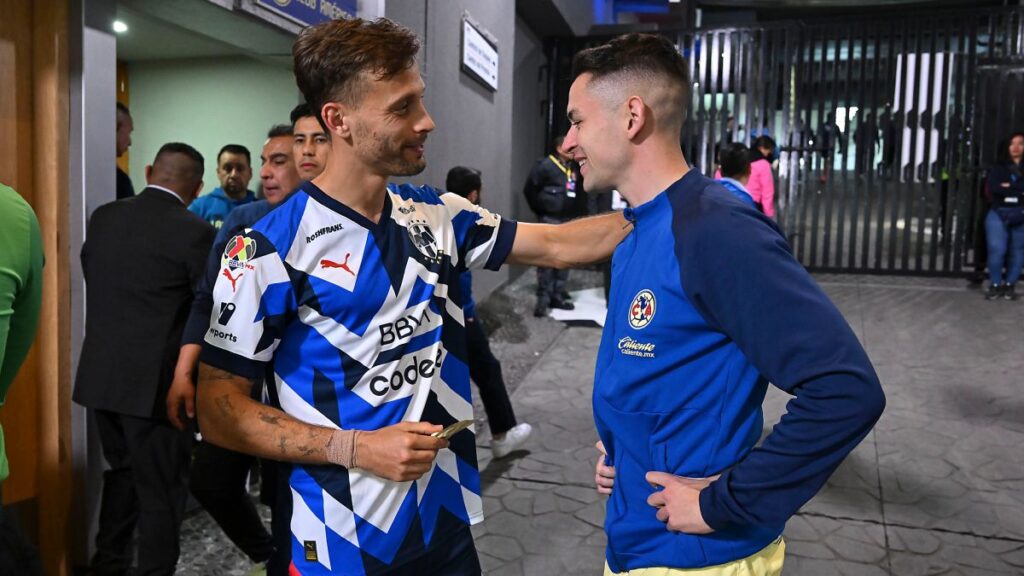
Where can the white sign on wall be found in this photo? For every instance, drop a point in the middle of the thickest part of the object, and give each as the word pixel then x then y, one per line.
pixel 479 55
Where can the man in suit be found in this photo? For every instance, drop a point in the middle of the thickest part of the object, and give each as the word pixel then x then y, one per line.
pixel 218 476
pixel 125 126
pixel 142 259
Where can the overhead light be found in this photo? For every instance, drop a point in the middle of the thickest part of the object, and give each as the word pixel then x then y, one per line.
pixel 120 27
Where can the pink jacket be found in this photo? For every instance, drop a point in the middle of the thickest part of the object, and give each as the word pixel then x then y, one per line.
pixel 761 185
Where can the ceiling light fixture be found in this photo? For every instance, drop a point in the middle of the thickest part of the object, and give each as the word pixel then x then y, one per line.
pixel 120 27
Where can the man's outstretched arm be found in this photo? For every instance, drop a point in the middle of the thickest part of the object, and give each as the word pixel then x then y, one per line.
pixel 229 417
pixel 576 243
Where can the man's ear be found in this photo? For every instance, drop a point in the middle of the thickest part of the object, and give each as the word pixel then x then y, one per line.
pixel 639 115
pixel 149 172
pixel 336 118
pixel 473 196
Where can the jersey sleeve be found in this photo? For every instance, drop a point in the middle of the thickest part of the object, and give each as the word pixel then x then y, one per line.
pixel 253 301
pixel 484 239
pixel 787 327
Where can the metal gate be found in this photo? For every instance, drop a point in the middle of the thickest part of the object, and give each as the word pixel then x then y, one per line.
pixel 884 129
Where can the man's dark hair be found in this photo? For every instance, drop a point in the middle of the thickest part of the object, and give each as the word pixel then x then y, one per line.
pixel 462 180
pixel 122 110
pixel 734 160
pixel 197 165
pixel 642 55
pixel 331 58
pixel 764 142
pixel 300 111
pixel 235 149
pixel 280 130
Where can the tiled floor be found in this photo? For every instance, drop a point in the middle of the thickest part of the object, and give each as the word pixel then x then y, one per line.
pixel 936 488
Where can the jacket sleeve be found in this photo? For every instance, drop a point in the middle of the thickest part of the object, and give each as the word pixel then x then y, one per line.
pixel 532 188
pixel 788 329
pixel 767 183
pixel 1001 182
pixel 199 316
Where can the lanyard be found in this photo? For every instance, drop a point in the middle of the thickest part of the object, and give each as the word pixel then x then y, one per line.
pixel 562 167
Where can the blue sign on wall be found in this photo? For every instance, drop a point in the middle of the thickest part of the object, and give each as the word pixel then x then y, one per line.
pixel 309 12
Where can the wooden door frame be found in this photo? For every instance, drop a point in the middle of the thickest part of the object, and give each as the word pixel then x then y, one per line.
pixel 43 181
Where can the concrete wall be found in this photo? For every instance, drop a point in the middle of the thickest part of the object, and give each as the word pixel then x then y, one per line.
pixel 529 111
pixel 206 103
pixel 474 125
pixel 580 13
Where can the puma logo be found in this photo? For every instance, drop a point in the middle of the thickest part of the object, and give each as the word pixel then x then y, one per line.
pixel 325 263
pixel 233 279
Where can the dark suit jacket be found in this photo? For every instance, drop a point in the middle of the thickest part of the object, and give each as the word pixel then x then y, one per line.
pixel 142 259
pixel 124 185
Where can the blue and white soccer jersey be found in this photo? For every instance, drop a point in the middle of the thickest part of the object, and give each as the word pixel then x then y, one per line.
pixel 363 324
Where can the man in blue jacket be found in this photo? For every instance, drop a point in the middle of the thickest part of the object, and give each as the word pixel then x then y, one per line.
pixel 234 170
pixel 707 306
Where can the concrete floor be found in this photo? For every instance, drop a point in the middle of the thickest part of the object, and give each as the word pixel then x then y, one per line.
pixel 936 488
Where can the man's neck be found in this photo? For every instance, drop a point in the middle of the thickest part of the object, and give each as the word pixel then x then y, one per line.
pixel 236 196
pixel 353 185
pixel 650 173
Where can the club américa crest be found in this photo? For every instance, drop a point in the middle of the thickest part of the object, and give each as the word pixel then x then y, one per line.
pixel 642 310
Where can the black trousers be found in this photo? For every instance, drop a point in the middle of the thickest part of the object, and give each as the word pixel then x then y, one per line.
pixel 17 553
pixel 485 370
pixel 145 488
pixel 550 285
pixel 217 481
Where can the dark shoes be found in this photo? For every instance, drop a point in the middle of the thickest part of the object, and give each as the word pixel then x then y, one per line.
pixel 1008 292
pixel 563 305
pixel 540 310
pixel 994 292
pixel 1003 291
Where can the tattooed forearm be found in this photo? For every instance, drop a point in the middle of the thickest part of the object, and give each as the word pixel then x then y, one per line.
pixel 230 417
pixel 223 403
pixel 207 372
pixel 272 419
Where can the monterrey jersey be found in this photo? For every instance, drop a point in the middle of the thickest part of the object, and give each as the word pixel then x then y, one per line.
pixel 363 325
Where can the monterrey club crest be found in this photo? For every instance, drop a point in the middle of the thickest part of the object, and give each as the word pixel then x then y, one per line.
pixel 423 238
pixel 238 251
pixel 641 311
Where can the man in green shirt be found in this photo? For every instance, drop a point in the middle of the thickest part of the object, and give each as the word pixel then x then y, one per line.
pixel 21 290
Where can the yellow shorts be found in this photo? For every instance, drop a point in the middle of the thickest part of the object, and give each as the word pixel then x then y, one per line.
pixel 767 562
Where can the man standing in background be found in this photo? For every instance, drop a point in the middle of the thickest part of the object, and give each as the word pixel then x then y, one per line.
pixel 551 193
pixel 125 126
pixel 484 368
pixel 218 476
pixel 141 260
pixel 312 144
pixel 21 292
pixel 234 170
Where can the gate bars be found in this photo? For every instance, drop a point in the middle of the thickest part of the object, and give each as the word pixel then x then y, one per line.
pixel 884 128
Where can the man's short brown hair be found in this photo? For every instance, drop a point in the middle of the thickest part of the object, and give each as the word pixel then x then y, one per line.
pixel 641 56
pixel 330 58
